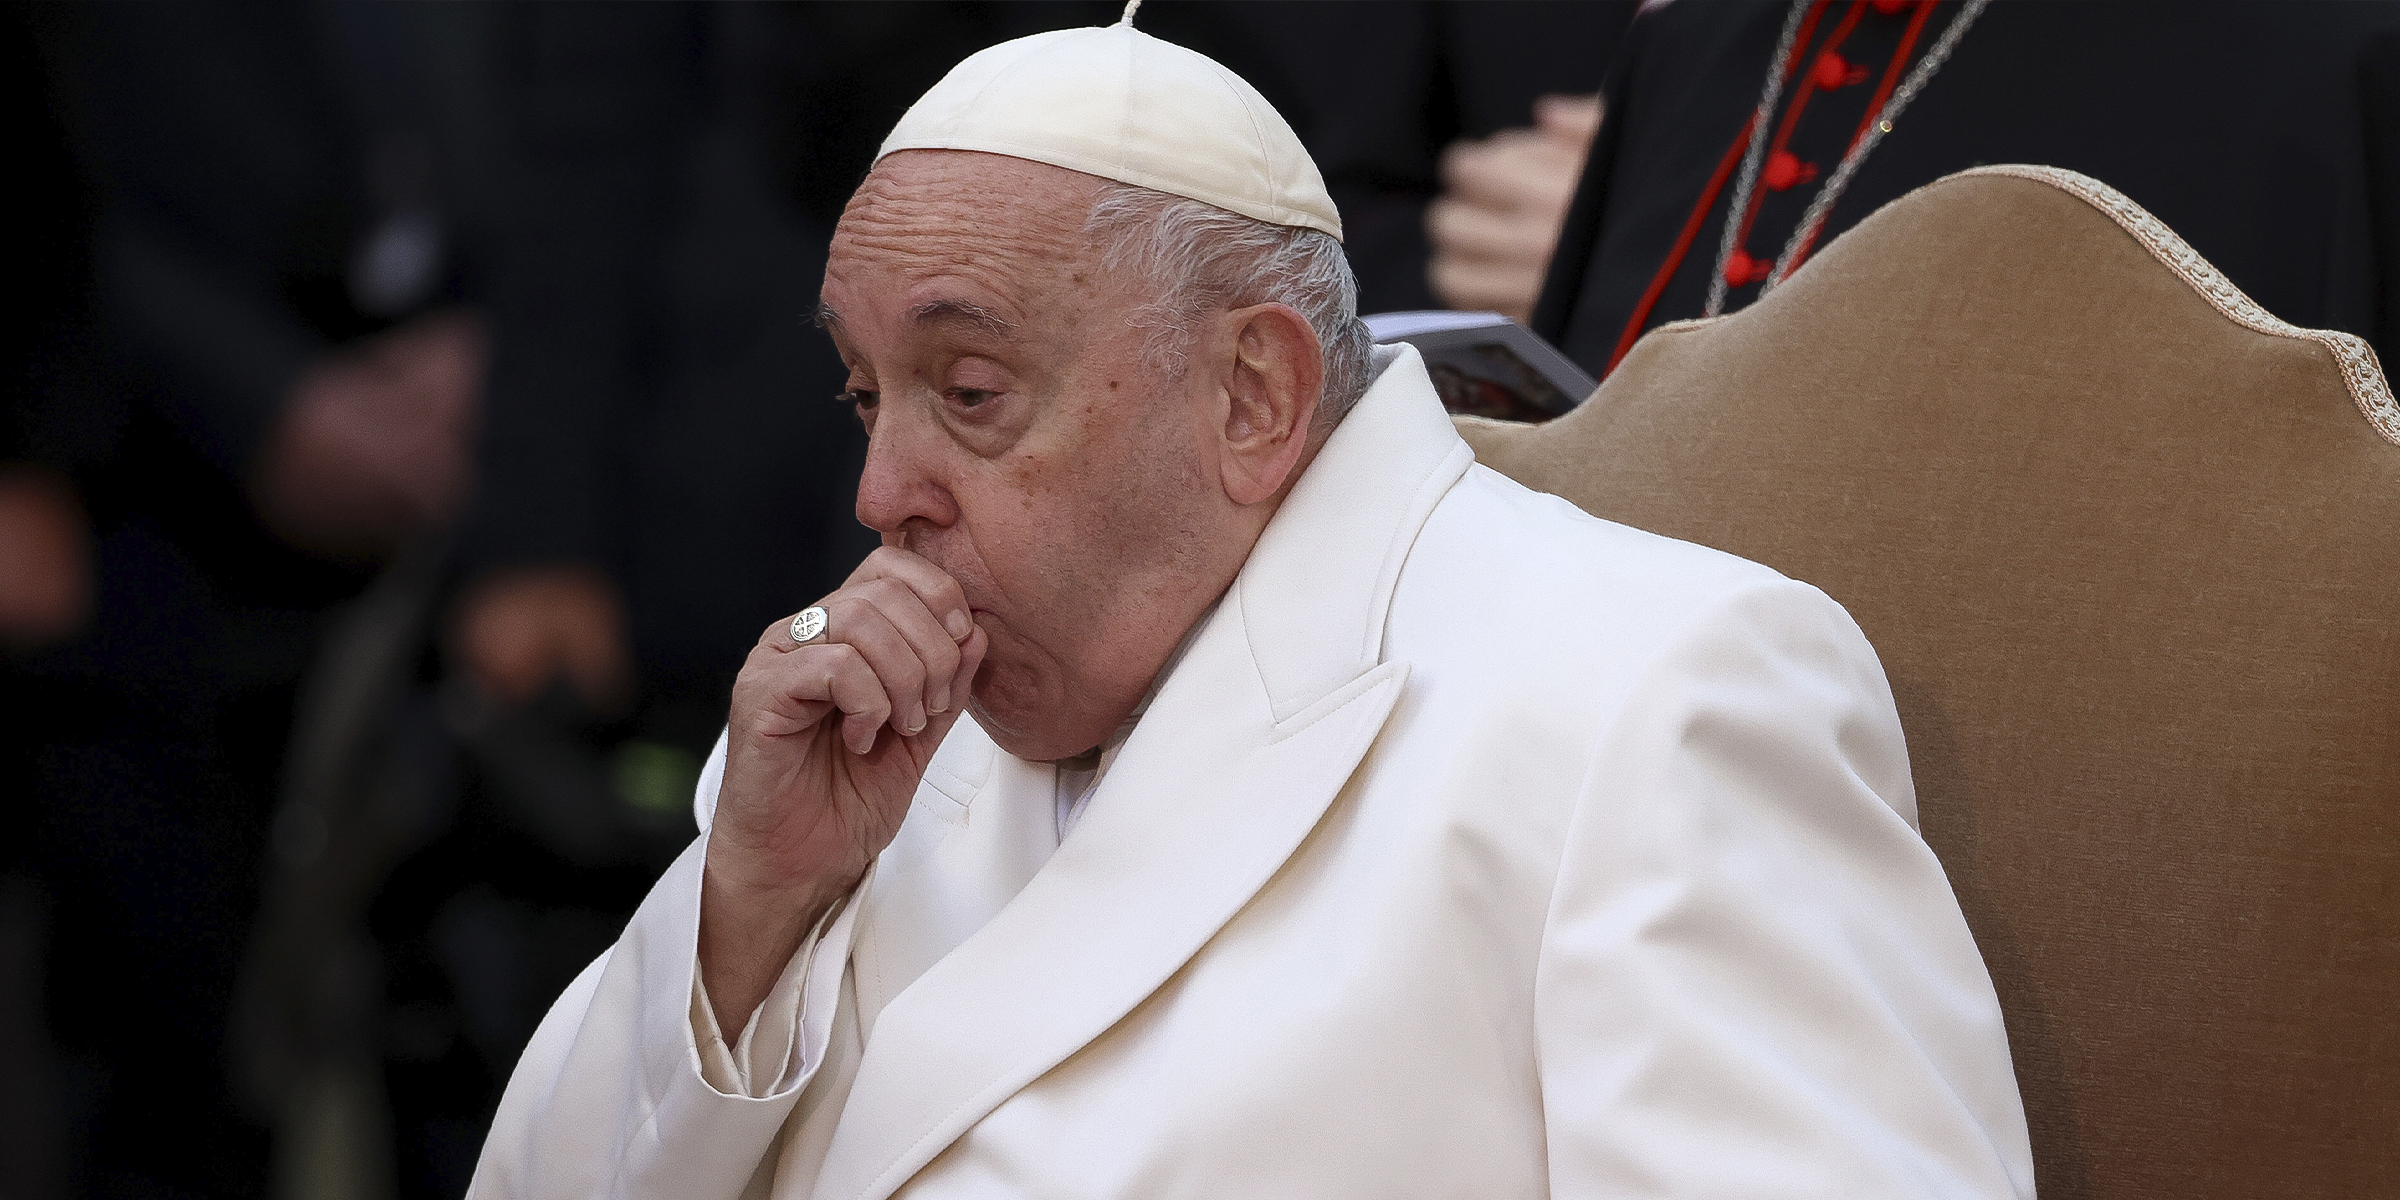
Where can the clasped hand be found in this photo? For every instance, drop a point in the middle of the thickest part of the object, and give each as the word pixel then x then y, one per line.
pixel 825 746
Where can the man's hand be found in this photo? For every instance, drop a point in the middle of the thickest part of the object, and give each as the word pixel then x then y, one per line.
pixel 519 628
pixel 45 558
pixel 375 442
pixel 827 742
pixel 1503 201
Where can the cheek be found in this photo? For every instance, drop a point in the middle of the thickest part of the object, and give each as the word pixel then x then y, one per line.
pixel 1036 531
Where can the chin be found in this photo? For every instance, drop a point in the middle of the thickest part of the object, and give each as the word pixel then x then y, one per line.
pixel 1019 732
pixel 1016 715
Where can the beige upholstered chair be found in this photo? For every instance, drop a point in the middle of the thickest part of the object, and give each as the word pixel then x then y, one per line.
pixel 2130 549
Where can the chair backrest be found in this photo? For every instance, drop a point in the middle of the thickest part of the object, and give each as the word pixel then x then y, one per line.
pixel 2130 550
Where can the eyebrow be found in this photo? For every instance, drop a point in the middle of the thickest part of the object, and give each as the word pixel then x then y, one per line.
pixel 961 312
pixel 934 312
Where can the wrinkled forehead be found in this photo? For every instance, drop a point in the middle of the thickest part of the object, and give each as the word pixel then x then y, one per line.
pixel 1005 223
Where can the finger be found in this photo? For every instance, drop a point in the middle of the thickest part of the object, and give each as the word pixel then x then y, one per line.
pixel 1535 172
pixel 1572 117
pixel 1462 285
pixel 856 621
pixel 962 684
pixel 970 658
pixel 941 594
pixel 1503 185
pixel 935 648
pixel 936 653
pixel 1502 167
pixel 907 647
pixel 778 636
pixel 1467 232
pixel 803 689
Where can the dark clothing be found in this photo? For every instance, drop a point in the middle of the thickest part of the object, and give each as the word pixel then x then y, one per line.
pixel 1376 90
pixel 660 405
pixel 2268 135
pixel 233 160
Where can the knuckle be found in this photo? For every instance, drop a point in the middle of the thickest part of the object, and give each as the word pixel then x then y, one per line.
pixel 885 591
pixel 947 589
pixel 839 659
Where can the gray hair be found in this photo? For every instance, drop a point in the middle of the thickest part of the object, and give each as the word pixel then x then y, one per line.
pixel 1203 258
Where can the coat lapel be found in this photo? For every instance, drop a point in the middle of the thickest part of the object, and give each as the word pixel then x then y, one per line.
pixel 1237 759
pixel 981 826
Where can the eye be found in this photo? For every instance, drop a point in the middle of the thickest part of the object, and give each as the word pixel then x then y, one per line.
pixel 970 397
pixel 861 398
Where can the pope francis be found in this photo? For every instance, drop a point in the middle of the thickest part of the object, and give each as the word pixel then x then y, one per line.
pixel 1220 786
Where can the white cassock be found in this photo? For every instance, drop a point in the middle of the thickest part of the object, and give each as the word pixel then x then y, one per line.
pixel 1475 847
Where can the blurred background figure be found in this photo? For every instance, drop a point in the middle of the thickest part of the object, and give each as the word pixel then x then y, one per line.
pixel 45 597
pixel 2267 135
pixel 1503 200
pixel 249 372
pixel 417 412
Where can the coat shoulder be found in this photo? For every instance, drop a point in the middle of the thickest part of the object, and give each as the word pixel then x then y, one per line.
pixel 1532 554
pixel 1520 597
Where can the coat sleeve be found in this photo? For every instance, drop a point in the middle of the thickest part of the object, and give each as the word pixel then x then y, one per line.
pixel 628 1090
pixel 1755 980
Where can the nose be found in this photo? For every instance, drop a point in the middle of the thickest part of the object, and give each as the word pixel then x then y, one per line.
pixel 901 485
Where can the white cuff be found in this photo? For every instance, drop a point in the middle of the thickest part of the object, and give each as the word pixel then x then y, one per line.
pixel 786 1037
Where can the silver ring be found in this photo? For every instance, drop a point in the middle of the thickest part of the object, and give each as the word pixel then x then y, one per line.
pixel 808 625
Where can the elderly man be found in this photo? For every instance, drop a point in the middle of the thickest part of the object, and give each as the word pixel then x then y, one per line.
pixel 1217 785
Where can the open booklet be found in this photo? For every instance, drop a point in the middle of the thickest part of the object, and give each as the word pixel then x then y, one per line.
pixel 1486 365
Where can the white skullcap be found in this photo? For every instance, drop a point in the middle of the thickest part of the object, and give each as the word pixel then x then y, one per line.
pixel 1117 103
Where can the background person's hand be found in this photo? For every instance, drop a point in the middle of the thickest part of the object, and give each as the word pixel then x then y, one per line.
pixel 517 629
pixel 826 745
pixel 45 558
pixel 1504 199
pixel 375 442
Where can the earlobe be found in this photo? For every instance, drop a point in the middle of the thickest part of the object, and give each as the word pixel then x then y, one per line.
pixel 1276 371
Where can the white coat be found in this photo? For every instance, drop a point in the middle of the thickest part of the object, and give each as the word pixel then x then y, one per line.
pixel 1476 847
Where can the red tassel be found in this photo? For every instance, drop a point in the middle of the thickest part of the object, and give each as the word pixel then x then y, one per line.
pixel 1741 270
pixel 1833 71
pixel 1784 169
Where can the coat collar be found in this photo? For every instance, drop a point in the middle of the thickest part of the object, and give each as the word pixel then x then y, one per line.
pixel 1240 754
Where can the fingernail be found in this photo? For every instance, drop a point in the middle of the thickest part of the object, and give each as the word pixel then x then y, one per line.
pixel 941 703
pixel 916 727
pixel 958 625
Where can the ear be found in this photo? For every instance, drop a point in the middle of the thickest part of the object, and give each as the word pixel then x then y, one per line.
pixel 1277 376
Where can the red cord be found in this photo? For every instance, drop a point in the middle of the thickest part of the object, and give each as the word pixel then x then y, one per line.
pixel 1708 198
pixel 1883 92
pixel 1791 115
pixel 1683 243
pixel 1891 70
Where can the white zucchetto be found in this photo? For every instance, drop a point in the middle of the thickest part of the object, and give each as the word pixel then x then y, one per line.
pixel 1115 102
